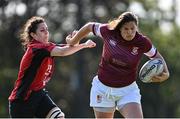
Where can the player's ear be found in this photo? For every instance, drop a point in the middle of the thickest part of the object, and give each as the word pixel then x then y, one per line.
pixel 33 35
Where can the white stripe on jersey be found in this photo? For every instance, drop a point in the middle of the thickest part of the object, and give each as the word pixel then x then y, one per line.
pixel 97 31
pixel 151 52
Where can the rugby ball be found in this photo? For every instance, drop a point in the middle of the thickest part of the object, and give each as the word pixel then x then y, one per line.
pixel 149 69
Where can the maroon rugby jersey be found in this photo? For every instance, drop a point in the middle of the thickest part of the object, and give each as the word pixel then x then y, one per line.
pixel 35 70
pixel 120 58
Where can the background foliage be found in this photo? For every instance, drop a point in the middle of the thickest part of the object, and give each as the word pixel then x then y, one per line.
pixel 71 81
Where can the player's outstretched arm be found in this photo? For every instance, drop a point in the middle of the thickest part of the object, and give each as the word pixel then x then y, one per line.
pixel 76 36
pixel 68 49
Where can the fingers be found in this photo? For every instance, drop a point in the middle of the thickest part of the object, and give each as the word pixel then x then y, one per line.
pixel 74 33
pixel 71 35
pixel 155 80
pixel 69 38
pixel 90 43
pixel 93 45
pixel 160 78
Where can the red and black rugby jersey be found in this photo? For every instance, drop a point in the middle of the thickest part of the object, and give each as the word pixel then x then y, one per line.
pixel 35 71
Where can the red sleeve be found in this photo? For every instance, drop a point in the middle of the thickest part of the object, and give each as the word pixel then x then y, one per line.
pixel 50 46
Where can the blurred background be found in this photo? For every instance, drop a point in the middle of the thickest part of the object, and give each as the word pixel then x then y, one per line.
pixel 71 82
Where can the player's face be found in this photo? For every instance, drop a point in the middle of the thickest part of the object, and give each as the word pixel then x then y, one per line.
pixel 42 33
pixel 128 30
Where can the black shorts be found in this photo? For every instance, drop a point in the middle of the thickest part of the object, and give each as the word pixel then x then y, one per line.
pixel 38 105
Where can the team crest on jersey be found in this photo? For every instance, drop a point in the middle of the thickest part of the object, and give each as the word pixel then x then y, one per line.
pixel 134 50
pixel 112 42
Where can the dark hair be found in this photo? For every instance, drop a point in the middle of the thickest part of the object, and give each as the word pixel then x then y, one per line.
pixel 122 19
pixel 30 27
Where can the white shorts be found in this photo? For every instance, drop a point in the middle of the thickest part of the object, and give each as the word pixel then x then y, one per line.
pixel 105 96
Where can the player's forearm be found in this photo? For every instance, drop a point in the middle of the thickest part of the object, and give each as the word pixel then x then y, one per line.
pixel 82 33
pixel 67 50
pixel 158 55
pixel 73 49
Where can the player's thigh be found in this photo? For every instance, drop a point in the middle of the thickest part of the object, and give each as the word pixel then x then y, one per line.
pixel 21 109
pixel 130 105
pixel 25 108
pixel 103 107
pixel 103 114
pixel 132 110
pixel 48 108
pixel 98 94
